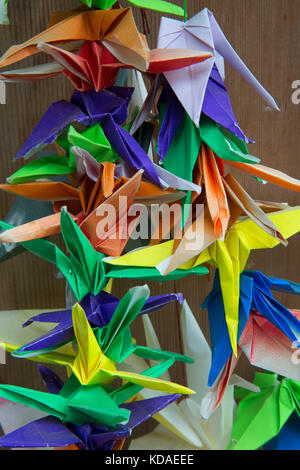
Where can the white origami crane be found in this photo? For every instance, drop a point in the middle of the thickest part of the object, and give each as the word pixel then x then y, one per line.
pixel 181 425
pixel 201 32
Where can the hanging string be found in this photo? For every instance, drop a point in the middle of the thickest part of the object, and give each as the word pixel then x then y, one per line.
pixel 185 12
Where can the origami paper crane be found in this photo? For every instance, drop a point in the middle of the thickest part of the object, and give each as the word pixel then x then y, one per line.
pixel 201 32
pixel 86 108
pixel 220 188
pixel 83 269
pixel 79 164
pixel 181 425
pixel 216 106
pixel 178 135
pixel 230 256
pixel 115 28
pixel 99 311
pixel 288 437
pixel 49 431
pixel 109 107
pixel 221 191
pixel 91 365
pixel 95 68
pixel 41 334
pixel 265 340
pixel 107 211
pixel 100 351
pixel 188 139
pixel 265 326
pixel 83 409
pixel 91 184
pixel 275 404
pixel 91 279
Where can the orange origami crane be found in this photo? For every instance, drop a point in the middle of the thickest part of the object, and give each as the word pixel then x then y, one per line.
pixel 115 28
pixel 88 205
pixel 109 240
pixel 102 54
pixel 220 189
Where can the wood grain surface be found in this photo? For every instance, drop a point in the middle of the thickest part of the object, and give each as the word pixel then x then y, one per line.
pixel 265 33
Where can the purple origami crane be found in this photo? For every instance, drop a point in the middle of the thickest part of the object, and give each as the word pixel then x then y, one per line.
pixel 99 310
pixel 109 108
pixel 216 106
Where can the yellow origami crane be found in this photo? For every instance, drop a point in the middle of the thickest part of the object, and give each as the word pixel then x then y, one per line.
pixel 229 256
pixel 91 366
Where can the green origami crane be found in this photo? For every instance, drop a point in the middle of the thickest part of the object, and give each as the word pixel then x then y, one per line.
pixel 83 269
pixel 78 404
pixel 188 140
pixel 87 395
pixel 260 416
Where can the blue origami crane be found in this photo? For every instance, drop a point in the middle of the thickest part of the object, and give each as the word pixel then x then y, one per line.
pixel 255 292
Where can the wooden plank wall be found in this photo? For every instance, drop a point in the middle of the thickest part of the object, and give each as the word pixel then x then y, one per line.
pixel 265 34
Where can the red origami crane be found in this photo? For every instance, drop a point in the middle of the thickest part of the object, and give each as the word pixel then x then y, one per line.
pixel 95 67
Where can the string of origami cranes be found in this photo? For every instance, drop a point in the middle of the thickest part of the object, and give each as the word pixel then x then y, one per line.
pixel 103 152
